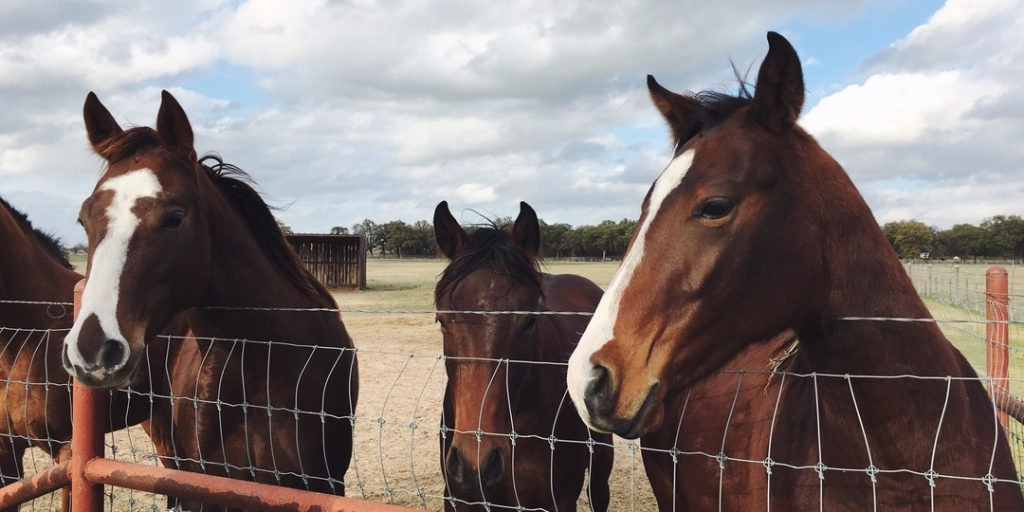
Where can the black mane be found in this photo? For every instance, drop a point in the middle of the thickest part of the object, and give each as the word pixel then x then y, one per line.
pixel 489 246
pixel 51 243
pixel 235 185
pixel 714 107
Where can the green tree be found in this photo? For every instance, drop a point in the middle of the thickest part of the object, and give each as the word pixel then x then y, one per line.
pixel 964 240
pixel 1003 236
pixel 371 232
pixel 910 237
pixel 555 239
pixel 396 234
pixel 339 230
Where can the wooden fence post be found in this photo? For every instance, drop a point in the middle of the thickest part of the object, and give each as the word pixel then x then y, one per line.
pixel 89 413
pixel 997 337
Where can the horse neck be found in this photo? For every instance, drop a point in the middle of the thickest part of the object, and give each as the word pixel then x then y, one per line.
pixel 243 275
pixel 30 273
pixel 863 278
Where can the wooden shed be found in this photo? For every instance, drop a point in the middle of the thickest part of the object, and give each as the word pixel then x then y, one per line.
pixel 337 261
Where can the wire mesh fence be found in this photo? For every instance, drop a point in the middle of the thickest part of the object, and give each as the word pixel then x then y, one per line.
pixel 398 423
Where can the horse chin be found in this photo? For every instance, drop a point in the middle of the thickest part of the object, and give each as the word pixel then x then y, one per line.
pixel 119 378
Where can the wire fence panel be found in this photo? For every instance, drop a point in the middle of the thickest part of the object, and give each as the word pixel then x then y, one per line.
pixel 398 423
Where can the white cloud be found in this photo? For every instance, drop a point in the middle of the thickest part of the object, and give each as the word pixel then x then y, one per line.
pixel 353 110
pixel 898 109
pixel 940 111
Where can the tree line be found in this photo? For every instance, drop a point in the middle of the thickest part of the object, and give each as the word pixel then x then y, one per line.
pixel 606 240
pixel 998 237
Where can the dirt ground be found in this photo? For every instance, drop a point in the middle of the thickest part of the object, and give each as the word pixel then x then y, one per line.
pixel 396 457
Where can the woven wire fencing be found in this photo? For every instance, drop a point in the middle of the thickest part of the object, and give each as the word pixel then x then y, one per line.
pixel 957 293
pixel 397 425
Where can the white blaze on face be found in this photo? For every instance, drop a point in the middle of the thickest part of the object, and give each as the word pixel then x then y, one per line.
pixel 602 325
pixel 102 292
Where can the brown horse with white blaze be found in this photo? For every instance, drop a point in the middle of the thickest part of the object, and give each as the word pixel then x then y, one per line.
pixel 258 391
pixel 754 236
pixel 505 396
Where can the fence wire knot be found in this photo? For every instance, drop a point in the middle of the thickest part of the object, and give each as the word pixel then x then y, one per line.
pixel 721 458
pixel 820 469
pixel 551 441
pixel 479 435
pixel 988 480
pixel 872 472
pixel 513 436
pixel 931 475
pixel 444 434
pixel 768 462
pixel 674 452
pixel 590 444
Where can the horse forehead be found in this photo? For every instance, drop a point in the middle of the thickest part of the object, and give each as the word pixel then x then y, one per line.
pixel 125 191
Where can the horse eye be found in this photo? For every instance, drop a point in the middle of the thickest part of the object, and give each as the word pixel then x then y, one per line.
pixel 714 209
pixel 174 220
pixel 531 323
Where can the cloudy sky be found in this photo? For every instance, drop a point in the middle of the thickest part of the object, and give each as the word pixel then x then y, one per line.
pixel 345 110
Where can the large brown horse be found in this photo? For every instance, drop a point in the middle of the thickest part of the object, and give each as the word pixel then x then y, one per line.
pixel 36 289
pixel 752 235
pixel 506 398
pixel 257 392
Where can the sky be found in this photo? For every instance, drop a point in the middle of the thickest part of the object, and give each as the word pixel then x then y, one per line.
pixel 348 110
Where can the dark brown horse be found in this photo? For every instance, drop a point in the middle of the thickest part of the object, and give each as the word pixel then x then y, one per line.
pixel 506 373
pixel 169 233
pixel 35 408
pixel 36 288
pixel 753 234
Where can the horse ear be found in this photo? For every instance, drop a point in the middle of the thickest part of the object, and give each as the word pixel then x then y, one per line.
pixel 526 231
pixel 675 108
pixel 447 231
pixel 99 123
pixel 779 94
pixel 172 124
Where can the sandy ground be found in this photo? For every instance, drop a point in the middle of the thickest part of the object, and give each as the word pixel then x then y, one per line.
pixel 396 456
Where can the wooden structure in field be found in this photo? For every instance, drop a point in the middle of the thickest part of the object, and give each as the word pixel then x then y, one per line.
pixel 337 261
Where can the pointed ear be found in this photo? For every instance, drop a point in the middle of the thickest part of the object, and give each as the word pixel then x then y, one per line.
pixel 526 232
pixel 675 108
pixel 447 231
pixel 99 123
pixel 172 124
pixel 779 94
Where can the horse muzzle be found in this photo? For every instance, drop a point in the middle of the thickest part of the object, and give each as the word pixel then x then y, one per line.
pixel 608 407
pixel 481 480
pixel 96 359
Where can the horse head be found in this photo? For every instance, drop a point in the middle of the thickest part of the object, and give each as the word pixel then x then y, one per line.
pixel 722 256
pixel 149 250
pixel 487 355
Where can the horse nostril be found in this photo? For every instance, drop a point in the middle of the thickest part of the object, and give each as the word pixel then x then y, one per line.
pixel 113 353
pixel 65 359
pixel 492 470
pixel 454 464
pixel 600 386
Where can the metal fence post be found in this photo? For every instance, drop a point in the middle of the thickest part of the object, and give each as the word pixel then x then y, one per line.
pixel 997 336
pixel 956 285
pixel 89 412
